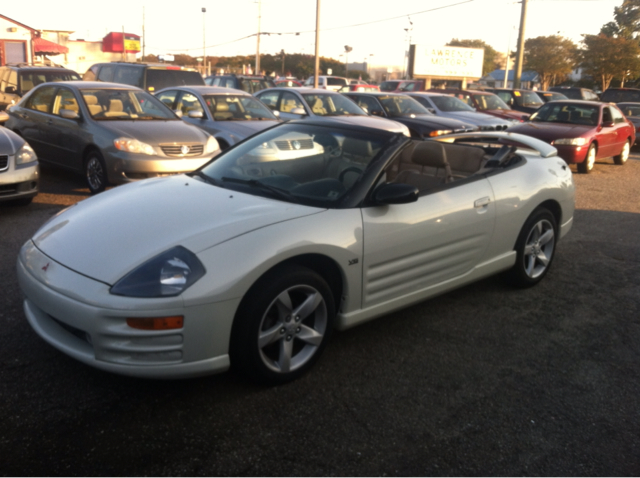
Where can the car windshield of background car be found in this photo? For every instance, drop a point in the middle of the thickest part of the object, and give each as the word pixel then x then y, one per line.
pixel 568 114
pixel 449 103
pixel 308 164
pixel 402 106
pixel 331 81
pixel 237 108
pixel 332 105
pixel 389 85
pixel 630 110
pixel 552 96
pixel 157 79
pixel 114 104
pixel 490 102
pixel 528 98
pixel 30 79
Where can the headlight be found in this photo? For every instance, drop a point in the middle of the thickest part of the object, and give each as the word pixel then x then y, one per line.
pixel 26 155
pixel 133 146
pixel 439 132
pixel 166 275
pixel 571 141
pixel 212 145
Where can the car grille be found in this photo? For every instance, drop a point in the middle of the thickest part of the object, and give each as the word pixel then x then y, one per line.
pixel 7 189
pixel 289 145
pixel 500 127
pixel 463 130
pixel 176 150
pixel 4 162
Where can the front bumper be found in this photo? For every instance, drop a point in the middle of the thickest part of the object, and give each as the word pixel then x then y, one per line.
pixel 572 154
pixel 19 182
pixel 123 167
pixel 79 317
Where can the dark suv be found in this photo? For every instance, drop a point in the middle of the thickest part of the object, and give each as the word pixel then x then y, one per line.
pixel 621 95
pixel 17 79
pixel 148 76
pixel 576 93
pixel 526 101
pixel 248 83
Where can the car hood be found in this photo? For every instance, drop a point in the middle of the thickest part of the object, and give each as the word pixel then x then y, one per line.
pixel 551 131
pixel 509 114
pixel 367 121
pixel 106 236
pixel 473 117
pixel 9 141
pixel 155 132
pixel 432 122
pixel 241 129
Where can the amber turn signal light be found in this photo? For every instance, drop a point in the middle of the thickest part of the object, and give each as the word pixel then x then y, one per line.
pixel 156 323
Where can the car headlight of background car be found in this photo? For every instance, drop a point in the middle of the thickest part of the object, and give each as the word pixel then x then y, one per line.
pixel 166 275
pixel 212 145
pixel 438 132
pixel 25 155
pixel 133 146
pixel 571 141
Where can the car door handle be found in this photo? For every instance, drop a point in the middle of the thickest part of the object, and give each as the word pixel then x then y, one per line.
pixel 482 202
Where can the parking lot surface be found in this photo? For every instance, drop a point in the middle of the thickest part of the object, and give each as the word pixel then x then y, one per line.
pixel 486 380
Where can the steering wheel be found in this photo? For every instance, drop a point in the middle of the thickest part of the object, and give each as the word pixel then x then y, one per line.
pixel 351 169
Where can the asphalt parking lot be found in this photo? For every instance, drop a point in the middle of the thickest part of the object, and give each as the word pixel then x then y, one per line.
pixel 485 380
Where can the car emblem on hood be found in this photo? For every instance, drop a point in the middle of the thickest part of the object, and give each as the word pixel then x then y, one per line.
pixel 184 149
pixel 296 144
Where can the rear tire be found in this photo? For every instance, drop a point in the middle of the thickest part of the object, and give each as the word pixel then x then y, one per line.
pixel 535 249
pixel 282 325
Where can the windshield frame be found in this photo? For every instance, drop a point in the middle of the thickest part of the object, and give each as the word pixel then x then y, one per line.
pixel 440 100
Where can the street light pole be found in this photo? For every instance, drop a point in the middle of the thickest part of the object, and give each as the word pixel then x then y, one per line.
pixel 257 72
pixel 204 44
pixel 520 57
pixel 316 70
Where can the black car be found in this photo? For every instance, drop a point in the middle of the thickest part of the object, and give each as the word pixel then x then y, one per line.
pixel 576 93
pixel 547 96
pixel 250 84
pixel 621 95
pixel 17 79
pixel 148 76
pixel 404 109
pixel 526 101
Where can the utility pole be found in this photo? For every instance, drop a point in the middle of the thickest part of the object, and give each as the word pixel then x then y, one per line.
pixel 144 37
pixel 282 53
pixel 520 55
pixel 317 65
pixel 204 44
pixel 257 72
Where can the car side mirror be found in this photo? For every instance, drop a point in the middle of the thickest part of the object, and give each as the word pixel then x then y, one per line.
pixel 68 114
pixel 178 113
pixel 276 113
pixel 10 90
pixel 3 116
pixel 195 114
pixel 298 111
pixel 432 110
pixel 396 193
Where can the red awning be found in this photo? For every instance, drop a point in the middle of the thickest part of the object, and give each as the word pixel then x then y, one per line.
pixel 46 47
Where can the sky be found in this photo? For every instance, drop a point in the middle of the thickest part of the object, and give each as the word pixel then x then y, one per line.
pixel 378 31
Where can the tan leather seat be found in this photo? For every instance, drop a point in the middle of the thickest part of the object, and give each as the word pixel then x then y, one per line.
pixel 318 107
pixel 115 108
pixel 435 170
pixel 92 104
pixel 222 111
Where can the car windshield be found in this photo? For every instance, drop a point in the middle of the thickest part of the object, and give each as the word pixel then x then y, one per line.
pixel 332 105
pixel 29 79
pixel 389 85
pixel 450 103
pixel 331 81
pixel 237 108
pixel 253 85
pixel 528 98
pixel 300 163
pixel 551 96
pixel 158 79
pixel 571 113
pixel 115 104
pixel 490 102
pixel 402 106
pixel 630 109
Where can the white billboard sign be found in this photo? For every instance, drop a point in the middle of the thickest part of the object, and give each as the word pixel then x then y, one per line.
pixel 448 61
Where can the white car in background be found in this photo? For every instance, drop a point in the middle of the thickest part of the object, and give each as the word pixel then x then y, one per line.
pixel 251 261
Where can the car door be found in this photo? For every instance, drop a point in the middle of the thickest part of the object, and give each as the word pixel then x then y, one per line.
pixel 607 135
pixel 416 246
pixel 34 121
pixel 622 129
pixel 67 145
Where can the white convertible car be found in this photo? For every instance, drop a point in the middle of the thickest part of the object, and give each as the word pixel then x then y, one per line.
pixel 253 259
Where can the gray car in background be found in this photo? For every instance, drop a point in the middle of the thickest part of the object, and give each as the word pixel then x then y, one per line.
pixel 229 115
pixel 19 170
pixel 111 133
pixel 449 106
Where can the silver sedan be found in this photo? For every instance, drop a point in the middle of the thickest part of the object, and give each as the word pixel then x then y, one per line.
pixel 19 169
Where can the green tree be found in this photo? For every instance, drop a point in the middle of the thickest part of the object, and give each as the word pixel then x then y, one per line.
pixel 626 22
pixel 552 57
pixel 606 58
pixel 492 58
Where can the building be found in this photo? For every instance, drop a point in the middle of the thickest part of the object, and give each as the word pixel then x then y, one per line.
pixel 528 80
pixel 20 43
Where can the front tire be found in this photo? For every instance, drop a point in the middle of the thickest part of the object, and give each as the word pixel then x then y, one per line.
pixel 282 325
pixel 624 154
pixel 535 249
pixel 589 162
pixel 95 172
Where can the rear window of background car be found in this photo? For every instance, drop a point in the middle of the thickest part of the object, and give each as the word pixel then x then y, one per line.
pixel 158 79
pixel 336 81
